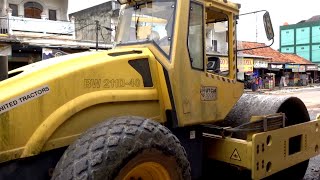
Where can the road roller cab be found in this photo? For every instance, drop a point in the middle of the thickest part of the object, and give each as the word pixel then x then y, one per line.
pixel 157 106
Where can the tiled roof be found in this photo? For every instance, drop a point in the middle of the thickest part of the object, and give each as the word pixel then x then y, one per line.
pixel 273 55
pixel 297 59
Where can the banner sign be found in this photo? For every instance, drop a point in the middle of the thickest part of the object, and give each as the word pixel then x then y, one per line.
pixel 311 68
pixel 291 66
pixel 260 64
pixel 295 68
pixel 299 68
pixel 275 67
pixel 224 63
pixel 245 65
pixel 302 68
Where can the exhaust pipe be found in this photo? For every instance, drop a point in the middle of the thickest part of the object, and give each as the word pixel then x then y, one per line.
pixel 3 68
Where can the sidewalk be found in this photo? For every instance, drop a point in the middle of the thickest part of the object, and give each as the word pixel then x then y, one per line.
pixel 287 89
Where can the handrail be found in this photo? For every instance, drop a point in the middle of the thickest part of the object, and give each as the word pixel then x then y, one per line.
pixel 14 23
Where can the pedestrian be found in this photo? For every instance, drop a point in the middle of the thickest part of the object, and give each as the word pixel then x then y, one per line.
pixel 257 82
pixel 260 83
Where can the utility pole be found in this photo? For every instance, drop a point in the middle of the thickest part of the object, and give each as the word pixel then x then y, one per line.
pixel 3 7
pixel 97 34
pixel 3 67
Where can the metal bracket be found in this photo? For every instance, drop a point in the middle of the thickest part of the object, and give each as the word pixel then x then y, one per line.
pixel 266 123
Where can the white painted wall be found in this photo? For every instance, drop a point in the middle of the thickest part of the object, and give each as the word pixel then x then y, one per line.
pixel 61 6
pixel 218 32
pixel 41 26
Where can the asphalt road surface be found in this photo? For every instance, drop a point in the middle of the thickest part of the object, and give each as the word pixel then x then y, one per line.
pixel 311 98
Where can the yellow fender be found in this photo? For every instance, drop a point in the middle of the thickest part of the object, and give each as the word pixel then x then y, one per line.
pixel 51 124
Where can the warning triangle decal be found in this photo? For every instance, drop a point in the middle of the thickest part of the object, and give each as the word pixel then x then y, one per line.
pixel 235 155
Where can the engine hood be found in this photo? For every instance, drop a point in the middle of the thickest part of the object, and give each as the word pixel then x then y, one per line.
pixel 46 95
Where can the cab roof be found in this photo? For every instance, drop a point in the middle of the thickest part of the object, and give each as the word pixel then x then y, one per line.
pixel 225 5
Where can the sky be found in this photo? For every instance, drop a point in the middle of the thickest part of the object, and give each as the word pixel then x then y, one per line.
pixel 281 11
pixel 76 5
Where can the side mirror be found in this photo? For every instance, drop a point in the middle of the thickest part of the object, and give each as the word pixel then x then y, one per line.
pixel 268 26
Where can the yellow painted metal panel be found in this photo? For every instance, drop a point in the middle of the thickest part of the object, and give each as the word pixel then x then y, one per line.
pixel 79 122
pixel 268 152
pixel 274 153
pixel 73 83
pixel 229 150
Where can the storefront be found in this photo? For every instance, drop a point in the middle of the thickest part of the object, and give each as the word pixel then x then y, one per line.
pixel 277 70
pixel 245 65
pixel 224 64
pixel 295 75
pixel 291 78
pixel 301 75
pixel 312 71
pixel 245 71
pixel 260 67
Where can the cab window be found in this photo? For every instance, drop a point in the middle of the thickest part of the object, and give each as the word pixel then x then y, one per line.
pixel 148 21
pixel 195 36
pixel 217 28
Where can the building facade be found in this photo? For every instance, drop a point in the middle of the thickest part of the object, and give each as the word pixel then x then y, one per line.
pixel 22 18
pixel 286 69
pixel 105 14
pixel 26 27
pixel 302 39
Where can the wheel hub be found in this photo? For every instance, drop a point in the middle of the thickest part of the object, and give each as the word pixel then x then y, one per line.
pixel 148 171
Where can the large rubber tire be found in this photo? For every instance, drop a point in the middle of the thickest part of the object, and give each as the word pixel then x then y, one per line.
pixel 125 146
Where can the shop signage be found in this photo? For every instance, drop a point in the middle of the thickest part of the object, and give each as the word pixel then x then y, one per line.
pixel 311 68
pixel 245 65
pixel 302 68
pixel 299 68
pixel 291 66
pixel 295 68
pixel 275 67
pixel 224 64
pixel 260 64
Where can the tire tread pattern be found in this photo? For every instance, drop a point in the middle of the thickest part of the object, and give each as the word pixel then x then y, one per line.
pixel 102 150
